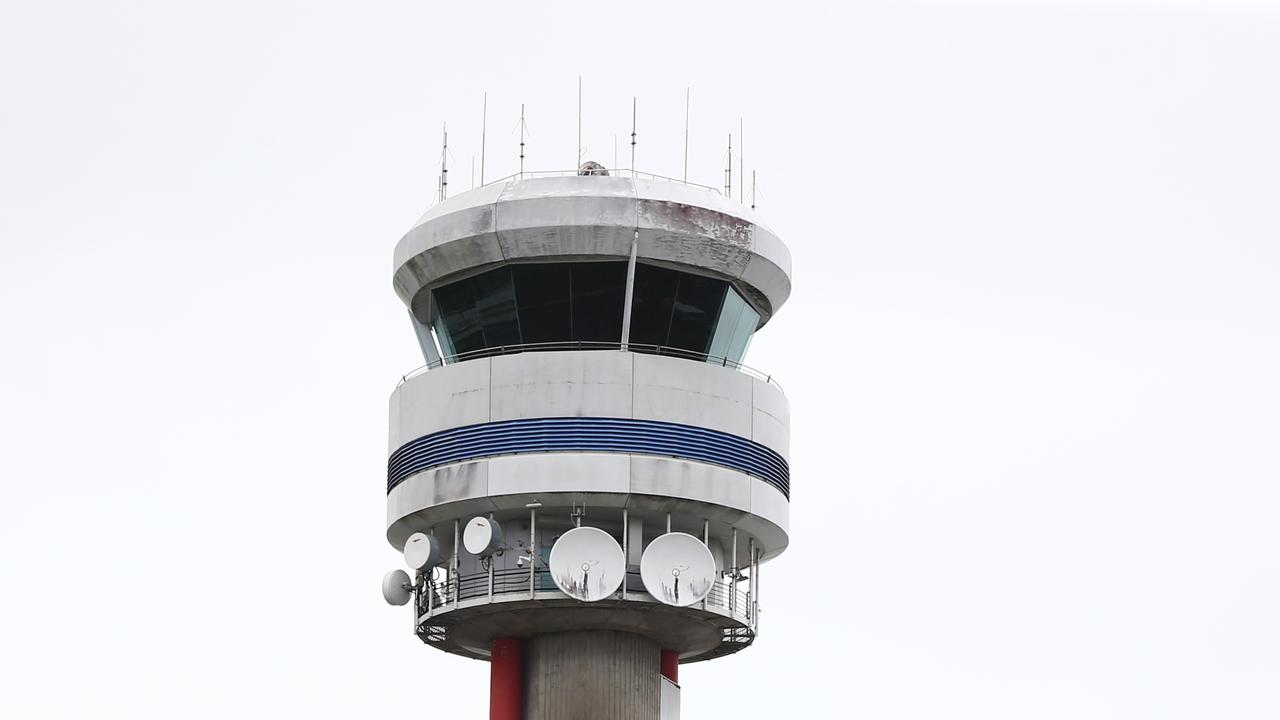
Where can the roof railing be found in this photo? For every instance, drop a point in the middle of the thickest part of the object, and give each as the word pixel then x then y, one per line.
pixel 612 172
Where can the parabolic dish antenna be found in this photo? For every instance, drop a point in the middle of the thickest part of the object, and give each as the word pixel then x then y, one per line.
pixel 586 563
pixel 677 569
pixel 422 551
pixel 482 537
pixel 397 588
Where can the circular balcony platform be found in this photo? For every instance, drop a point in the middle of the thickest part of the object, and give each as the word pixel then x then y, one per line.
pixel 464 616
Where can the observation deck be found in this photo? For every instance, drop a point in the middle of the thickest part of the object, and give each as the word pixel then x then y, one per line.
pixel 583 339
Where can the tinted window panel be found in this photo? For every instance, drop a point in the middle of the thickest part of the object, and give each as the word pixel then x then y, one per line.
pixel 496 307
pixel 693 320
pixel 542 293
pixel 651 304
pixel 536 303
pixel 737 322
pixel 456 306
pixel 598 290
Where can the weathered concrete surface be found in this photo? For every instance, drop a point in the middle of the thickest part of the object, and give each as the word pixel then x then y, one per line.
pixel 592 674
pixel 585 216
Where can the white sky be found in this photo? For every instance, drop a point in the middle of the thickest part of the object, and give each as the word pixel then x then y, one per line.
pixel 1032 349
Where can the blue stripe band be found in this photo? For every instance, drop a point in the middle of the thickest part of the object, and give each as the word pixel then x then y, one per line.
pixel 620 435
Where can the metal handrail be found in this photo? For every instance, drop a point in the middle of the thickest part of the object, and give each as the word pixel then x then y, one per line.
pixel 591 345
pixel 613 172
pixel 450 589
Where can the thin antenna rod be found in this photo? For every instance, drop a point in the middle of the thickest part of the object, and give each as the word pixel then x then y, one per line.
pixel 522 133
pixel 728 171
pixel 742 163
pixel 753 189
pixel 686 135
pixel 579 163
pixel 484 131
pixel 633 136
pixel 444 165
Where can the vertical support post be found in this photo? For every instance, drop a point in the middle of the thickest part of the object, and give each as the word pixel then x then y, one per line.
pixel 533 551
pixel 490 560
pixel 733 575
pixel 755 593
pixel 751 581
pixel 416 602
pixel 431 576
pixel 626 559
pixel 668 522
pixel 706 540
pixel 631 288
pixel 671 666
pixel 457 581
pixel 506 679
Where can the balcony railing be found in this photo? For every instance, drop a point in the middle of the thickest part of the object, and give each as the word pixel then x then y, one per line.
pixel 435 596
pixel 577 345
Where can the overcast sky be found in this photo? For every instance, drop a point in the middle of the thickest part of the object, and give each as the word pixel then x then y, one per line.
pixel 1031 351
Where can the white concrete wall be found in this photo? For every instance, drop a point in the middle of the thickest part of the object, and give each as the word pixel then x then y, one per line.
pixel 690 490
pixel 598 383
pixel 590 384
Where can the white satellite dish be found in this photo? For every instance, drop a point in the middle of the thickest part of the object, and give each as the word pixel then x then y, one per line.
pixel 482 537
pixel 397 588
pixel 586 563
pixel 422 551
pixel 677 569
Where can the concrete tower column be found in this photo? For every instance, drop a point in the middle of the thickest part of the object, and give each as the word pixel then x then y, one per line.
pixel 592 674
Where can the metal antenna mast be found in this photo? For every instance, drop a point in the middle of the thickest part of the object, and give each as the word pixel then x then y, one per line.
pixel 686 135
pixel 579 162
pixel 753 189
pixel 444 165
pixel 728 171
pixel 633 136
pixel 522 134
pixel 484 131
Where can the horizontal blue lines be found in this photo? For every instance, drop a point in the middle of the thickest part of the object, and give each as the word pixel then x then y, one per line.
pixel 619 435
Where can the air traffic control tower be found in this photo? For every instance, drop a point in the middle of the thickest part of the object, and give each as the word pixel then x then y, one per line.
pixel 584 478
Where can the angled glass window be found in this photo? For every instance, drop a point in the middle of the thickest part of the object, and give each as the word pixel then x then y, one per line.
pixel 531 304
pixel 693 317
pixel 556 305
pixel 651 304
pixel 737 322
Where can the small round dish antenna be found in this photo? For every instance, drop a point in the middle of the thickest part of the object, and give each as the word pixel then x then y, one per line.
pixel 677 569
pixel 482 537
pixel 397 589
pixel 586 563
pixel 422 551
